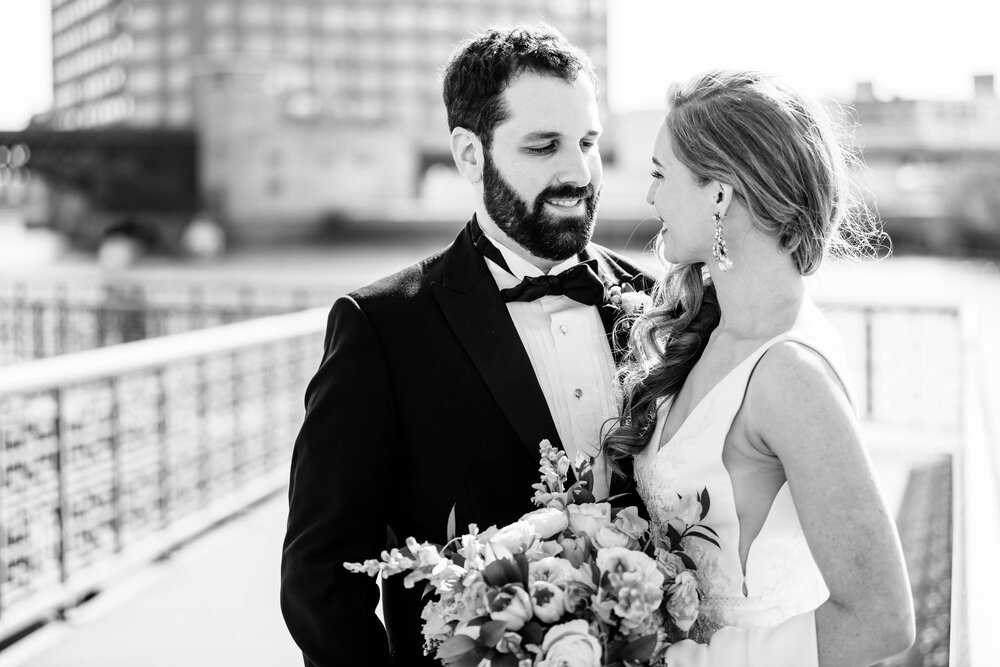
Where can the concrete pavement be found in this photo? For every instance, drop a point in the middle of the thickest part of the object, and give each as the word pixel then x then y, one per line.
pixel 212 603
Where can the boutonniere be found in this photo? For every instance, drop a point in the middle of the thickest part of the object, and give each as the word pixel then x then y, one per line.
pixel 627 300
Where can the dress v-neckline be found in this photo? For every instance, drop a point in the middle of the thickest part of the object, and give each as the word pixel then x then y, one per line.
pixel 663 443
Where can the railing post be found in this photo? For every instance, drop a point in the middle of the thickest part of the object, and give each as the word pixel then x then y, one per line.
pixel 163 476
pixel 117 514
pixel 62 493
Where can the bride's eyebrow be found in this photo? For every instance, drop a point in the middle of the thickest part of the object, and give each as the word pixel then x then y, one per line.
pixel 657 162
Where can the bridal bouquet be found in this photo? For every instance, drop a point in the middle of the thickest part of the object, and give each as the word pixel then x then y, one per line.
pixel 573 583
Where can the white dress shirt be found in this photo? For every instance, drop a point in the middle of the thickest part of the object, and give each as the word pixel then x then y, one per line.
pixel 569 351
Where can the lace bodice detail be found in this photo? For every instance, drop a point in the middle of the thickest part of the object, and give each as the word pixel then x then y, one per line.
pixel 782 579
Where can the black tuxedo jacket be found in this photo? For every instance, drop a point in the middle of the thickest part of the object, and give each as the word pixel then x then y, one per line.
pixel 425 400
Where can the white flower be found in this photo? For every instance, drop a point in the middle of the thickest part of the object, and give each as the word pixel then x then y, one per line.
pixel 609 536
pixel 516 537
pixel 509 604
pixel 589 517
pixel 629 522
pixel 547 521
pixel 682 600
pixel 570 645
pixel 548 601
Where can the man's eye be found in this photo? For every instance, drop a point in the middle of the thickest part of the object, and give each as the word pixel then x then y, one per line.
pixel 541 150
pixel 588 145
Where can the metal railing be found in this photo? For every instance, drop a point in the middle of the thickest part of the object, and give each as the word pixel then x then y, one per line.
pixel 113 456
pixel 45 317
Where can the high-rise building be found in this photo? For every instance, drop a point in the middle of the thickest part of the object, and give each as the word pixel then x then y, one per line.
pixel 136 62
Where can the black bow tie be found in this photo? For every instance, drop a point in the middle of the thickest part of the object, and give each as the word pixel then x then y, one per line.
pixel 579 282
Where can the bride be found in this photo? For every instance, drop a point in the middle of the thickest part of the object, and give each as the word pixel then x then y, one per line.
pixel 735 383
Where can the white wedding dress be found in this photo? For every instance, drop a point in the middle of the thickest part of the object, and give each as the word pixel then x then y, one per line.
pixel 765 617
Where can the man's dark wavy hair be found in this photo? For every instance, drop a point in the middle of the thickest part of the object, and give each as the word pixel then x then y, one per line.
pixel 482 67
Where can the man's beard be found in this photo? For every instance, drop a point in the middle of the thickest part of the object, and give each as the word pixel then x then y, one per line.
pixel 545 235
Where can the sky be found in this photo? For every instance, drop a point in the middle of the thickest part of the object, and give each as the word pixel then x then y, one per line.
pixel 907 49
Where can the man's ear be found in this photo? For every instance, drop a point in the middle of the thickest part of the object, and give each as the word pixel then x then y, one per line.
pixel 467 150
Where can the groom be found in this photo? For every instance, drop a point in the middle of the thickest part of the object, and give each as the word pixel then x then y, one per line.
pixel 438 383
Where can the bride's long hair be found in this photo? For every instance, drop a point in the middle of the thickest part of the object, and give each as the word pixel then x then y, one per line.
pixel 790 169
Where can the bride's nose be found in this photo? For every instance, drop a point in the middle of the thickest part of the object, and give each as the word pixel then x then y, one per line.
pixel 651 192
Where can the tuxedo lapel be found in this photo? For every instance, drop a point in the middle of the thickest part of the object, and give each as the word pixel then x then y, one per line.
pixel 612 275
pixel 472 305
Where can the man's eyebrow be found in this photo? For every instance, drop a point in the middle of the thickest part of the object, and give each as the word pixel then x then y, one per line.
pixel 548 135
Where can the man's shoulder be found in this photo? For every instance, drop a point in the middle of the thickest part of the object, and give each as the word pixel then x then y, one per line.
pixel 405 284
pixel 641 273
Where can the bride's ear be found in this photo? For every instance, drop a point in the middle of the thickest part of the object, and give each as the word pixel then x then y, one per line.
pixel 723 196
pixel 467 150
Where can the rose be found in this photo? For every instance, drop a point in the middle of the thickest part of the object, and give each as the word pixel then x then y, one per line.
pixel 516 537
pixel 548 601
pixel 689 511
pixel 609 536
pixel 547 521
pixel 670 564
pixel 570 645
pixel 682 600
pixel 509 604
pixel 631 587
pixel 629 522
pixel 575 549
pixel 589 517
pixel 553 570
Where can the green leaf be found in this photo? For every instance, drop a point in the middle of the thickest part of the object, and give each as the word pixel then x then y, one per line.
pixel 673 535
pixel 451 523
pixel 688 563
pixel 522 567
pixel 705 503
pixel 639 650
pixel 504 660
pixel 501 572
pixel 491 633
pixel 708 528
pixel 455 647
pixel 695 533
pixel 614 651
pixel 532 633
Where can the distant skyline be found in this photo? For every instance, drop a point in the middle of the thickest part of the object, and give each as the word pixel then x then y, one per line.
pixel 824 47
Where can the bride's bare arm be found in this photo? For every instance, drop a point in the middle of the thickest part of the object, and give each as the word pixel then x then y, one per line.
pixel 796 408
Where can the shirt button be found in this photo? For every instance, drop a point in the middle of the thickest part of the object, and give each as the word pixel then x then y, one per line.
pixel 578 392
pixel 563 328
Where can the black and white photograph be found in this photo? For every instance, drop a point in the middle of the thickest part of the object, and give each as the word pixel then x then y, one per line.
pixel 499 333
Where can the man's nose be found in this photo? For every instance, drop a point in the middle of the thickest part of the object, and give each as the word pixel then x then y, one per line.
pixel 575 169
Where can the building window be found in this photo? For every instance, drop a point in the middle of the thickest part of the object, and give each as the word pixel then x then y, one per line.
pixel 334 18
pixel 178 44
pixel 145 80
pixel 179 112
pixel 219 12
pixel 179 77
pixel 221 43
pixel 145 17
pixel 177 14
pixel 258 42
pixel 257 15
pixel 297 16
pixel 147 112
pixel 146 47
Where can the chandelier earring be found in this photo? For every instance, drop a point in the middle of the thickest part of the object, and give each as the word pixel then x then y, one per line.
pixel 719 247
